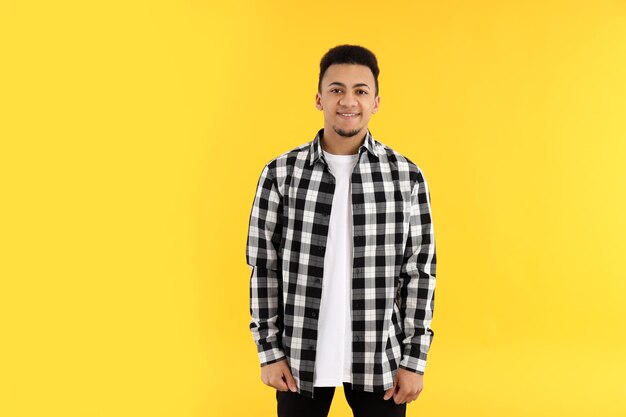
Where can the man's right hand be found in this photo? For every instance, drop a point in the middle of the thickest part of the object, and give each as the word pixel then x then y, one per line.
pixel 279 376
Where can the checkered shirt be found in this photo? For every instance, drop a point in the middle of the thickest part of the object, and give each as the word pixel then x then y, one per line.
pixel 393 273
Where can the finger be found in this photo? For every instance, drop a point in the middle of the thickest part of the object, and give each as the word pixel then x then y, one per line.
pixel 399 397
pixel 413 397
pixel 391 390
pixel 291 382
pixel 279 384
pixel 389 393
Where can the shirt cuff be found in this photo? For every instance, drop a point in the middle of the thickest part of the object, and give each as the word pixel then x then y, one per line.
pixel 414 359
pixel 270 353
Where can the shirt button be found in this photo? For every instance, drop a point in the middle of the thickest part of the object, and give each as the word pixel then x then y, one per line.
pixel 357 338
pixel 318 281
pixel 325 214
pixel 314 314
pixel 320 249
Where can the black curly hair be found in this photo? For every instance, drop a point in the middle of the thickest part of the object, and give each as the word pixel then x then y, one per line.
pixel 349 54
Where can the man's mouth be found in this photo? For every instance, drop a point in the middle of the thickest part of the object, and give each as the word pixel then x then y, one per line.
pixel 348 116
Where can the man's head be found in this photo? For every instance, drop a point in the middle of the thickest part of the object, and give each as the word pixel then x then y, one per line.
pixel 349 54
pixel 348 89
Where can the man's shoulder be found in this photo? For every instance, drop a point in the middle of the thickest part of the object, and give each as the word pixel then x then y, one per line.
pixel 400 161
pixel 277 167
pixel 299 152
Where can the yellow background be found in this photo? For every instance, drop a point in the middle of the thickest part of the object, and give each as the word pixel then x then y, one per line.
pixel 132 137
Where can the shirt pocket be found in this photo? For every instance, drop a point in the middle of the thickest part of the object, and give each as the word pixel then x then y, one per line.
pixel 389 197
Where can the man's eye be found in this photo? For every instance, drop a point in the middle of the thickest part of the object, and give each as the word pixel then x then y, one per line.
pixel 335 89
pixel 362 91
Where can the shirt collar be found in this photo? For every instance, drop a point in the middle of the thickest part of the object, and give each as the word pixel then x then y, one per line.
pixel 315 149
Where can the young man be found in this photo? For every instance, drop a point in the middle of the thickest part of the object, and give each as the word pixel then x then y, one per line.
pixel 342 252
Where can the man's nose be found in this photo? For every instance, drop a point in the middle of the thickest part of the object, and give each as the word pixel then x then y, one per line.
pixel 347 100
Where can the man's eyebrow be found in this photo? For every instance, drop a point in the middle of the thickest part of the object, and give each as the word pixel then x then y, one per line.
pixel 354 86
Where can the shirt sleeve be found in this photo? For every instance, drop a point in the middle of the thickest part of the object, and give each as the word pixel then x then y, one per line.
pixel 264 237
pixel 417 276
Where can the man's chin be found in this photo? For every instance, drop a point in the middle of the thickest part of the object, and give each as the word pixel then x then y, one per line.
pixel 346 133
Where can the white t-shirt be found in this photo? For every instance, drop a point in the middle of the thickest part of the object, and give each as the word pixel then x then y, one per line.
pixel 333 359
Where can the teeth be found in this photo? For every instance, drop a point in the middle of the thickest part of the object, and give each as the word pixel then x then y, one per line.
pixel 348 114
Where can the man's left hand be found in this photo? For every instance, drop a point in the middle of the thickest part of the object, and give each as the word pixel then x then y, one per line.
pixel 407 386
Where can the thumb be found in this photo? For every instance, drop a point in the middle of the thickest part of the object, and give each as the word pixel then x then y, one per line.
pixel 291 383
pixel 390 391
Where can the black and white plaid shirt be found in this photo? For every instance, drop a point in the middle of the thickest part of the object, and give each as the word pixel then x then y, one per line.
pixel 393 274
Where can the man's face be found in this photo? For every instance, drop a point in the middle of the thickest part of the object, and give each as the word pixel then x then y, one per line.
pixel 348 98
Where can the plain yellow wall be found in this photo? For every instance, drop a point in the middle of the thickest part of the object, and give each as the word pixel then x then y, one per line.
pixel 132 137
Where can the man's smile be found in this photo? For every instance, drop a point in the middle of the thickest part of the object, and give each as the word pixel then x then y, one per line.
pixel 348 116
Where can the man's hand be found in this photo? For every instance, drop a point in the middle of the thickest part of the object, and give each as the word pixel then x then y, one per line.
pixel 279 376
pixel 407 386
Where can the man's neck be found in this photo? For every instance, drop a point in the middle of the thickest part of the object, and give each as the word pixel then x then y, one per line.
pixel 340 145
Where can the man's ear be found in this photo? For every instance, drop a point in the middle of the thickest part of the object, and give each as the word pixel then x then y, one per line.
pixel 376 104
pixel 318 101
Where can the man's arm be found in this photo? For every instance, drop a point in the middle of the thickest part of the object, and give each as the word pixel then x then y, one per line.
pixel 264 237
pixel 417 275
